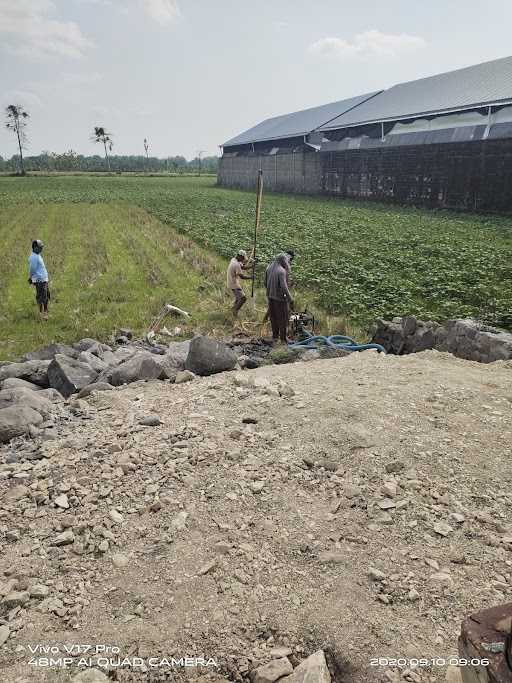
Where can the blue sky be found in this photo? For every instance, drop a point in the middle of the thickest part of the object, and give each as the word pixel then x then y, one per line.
pixel 190 74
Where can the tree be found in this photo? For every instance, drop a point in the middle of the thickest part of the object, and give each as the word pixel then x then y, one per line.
pixel 101 135
pixel 17 122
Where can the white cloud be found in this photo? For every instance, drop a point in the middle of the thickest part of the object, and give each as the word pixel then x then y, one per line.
pixel 162 11
pixel 367 45
pixel 27 28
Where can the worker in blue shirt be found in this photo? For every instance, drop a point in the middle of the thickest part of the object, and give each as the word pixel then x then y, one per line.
pixel 38 276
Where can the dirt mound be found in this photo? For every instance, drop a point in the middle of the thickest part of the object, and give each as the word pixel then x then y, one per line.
pixel 359 505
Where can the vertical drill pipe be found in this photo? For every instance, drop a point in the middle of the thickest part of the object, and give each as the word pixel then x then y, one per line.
pixel 259 194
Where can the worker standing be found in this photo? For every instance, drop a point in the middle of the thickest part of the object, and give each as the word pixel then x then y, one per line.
pixel 279 298
pixel 235 275
pixel 38 276
pixel 290 255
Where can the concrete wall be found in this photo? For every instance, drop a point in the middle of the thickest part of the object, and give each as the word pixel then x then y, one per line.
pixel 474 176
pixel 298 172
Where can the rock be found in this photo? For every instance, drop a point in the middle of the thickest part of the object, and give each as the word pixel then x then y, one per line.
pixel 27 398
pixel 395 466
pixel 376 574
pixel 91 676
pixel 54 605
pixel 283 354
pixel 442 529
pixel 84 344
pixel 389 489
pixel 4 634
pixel 39 591
pixel 62 501
pixel 49 352
pixel 184 376
pixel 65 538
pixel 173 361
pixel 68 375
pixel 457 518
pixel 273 671
pixel 441 578
pixel 280 652
pixel 16 598
pixel 179 522
pixel 120 561
pixel 257 486
pixel 51 395
pixel 351 491
pixel 386 504
pixel 207 356
pixel 207 568
pixel 92 361
pixel 314 669
pixel 32 371
pixel 15 493
pixel 125 332
pixel 150 421
pixel 413 595
pixel 16 383
pixel 95 386
pixel 142 366
pixel 332 557
pixel 115 516
pixel 16 421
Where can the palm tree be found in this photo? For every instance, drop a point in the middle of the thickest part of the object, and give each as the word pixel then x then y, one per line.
pixel 17 122
pixel 101 135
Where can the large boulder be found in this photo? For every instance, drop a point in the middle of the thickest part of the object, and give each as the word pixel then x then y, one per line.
pixel 33 371
pixel 17 420
pixel 15 383
pixel 49 352
pixel 94 361
pixel 174 359
pixel 28 398
pixel 143 366
pixel 68 375
pixel 314 669
pixel 207 356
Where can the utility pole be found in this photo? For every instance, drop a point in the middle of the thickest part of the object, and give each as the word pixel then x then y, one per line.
pixel 146 147
pixel 200 158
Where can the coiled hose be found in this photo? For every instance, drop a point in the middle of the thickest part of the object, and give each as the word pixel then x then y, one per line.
pixel 335 341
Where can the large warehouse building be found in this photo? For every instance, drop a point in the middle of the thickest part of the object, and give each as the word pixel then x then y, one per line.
pixel 442 141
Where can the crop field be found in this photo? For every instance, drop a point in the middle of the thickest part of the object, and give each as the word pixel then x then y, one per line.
pixel 112 249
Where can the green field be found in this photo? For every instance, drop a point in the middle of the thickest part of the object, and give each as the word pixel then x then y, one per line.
pixel 113 252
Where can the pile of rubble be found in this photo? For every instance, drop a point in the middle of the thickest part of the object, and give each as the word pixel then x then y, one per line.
pixel 33 390
pixel 465 338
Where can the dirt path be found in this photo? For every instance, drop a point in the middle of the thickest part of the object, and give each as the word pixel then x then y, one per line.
pixel 252 516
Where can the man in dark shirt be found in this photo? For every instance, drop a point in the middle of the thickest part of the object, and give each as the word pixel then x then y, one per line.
pixel 279 297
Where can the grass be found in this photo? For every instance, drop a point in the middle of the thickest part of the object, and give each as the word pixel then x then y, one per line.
pixel 118 247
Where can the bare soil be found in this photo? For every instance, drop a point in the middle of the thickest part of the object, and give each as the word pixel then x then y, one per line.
pixel 255 516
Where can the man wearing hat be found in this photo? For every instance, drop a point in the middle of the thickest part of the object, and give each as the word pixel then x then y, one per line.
pixel 235 275
pixel 38 276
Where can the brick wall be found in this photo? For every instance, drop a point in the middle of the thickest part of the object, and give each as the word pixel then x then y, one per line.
pixel 470 175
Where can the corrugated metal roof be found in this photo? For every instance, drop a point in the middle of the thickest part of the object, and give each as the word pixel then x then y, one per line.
pixel 297 123
pixel 490 82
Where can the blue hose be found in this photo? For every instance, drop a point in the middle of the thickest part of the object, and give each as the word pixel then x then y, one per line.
pixel 335 341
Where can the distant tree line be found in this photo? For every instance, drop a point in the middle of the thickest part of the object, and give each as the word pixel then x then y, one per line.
pixel 71 161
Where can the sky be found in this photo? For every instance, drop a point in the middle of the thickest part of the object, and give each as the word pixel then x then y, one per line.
pixel 190 74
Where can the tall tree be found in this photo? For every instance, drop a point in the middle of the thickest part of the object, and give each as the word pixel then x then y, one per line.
pixel 17 123
pixel 101 135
